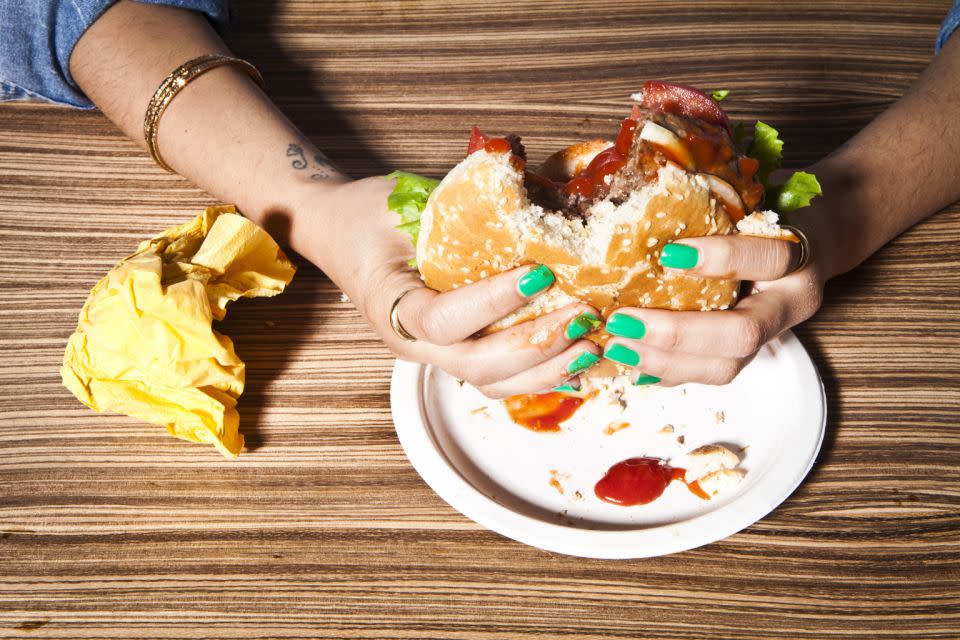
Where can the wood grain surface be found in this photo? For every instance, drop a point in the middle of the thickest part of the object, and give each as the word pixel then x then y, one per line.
pixel 111 529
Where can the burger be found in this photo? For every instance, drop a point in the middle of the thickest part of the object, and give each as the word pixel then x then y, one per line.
pixel 599 212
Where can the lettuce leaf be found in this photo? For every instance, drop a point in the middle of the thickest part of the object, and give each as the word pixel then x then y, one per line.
pixel 795 193
pixel 798 190
pixel 719 94
pixel 767 148
pixel 408 199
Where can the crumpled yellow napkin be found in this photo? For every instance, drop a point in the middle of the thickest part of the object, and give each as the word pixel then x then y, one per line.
pixel 145 345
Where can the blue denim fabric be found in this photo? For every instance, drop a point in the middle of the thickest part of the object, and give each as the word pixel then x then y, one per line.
pixel 38 37
pixel 950 24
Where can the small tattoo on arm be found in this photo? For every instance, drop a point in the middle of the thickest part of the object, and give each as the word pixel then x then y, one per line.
pixel 321 167
pixel 295 151
pixel 324 168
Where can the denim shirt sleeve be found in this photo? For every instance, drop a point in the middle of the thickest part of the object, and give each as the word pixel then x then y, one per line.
pixel 38 36
pixel 950 24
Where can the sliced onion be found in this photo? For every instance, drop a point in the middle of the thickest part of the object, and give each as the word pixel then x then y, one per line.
pixel 726 194
pixel 666 141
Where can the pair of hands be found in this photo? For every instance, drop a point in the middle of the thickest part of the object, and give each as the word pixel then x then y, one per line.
pixel 673 347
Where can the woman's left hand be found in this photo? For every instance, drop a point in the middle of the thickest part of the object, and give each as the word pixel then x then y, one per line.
pixel 712 348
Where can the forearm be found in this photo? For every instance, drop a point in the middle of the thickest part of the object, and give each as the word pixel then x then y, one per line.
pixel 221 132
pixel 901 168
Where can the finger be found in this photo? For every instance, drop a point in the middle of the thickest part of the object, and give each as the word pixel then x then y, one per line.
pixel 672 368
pixel 575 359
pixel 736 257
pixel 447 318
pixel 511 351
pixel 736 333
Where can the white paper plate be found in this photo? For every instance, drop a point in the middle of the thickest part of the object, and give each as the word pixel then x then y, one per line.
pixel 499 473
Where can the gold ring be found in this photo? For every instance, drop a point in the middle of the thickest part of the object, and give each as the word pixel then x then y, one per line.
pixel 804 243
pixel 395 324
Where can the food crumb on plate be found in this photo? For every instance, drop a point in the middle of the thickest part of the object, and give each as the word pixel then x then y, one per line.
pixel 714 468
pixel 615 426
pixel 666 430
pixel 555 478
pixel 481 411
pixel 720 417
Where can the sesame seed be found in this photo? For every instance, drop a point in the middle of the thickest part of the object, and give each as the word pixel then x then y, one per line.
pixel 467 281
pixel 652 242
pixel 661 214
pixel 646 226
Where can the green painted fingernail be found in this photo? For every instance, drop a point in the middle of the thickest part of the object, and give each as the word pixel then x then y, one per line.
pixel 584 361
pixel 566 388
pixel 679 256
pixel 536 280
pixel 581 325
pixel 620 324
pixel 622 354
pixel 645 379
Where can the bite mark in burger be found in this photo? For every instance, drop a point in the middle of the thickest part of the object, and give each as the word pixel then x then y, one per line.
pixel 599 213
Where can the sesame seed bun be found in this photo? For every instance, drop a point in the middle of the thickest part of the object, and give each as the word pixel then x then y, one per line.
pixel 481 221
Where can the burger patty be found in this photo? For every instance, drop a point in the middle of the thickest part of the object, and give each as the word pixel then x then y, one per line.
pixel 716 155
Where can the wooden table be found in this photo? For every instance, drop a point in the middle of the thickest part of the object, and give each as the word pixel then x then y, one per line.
pixel 111 529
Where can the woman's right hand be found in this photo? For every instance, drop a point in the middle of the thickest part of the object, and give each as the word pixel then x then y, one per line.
pixel 368 261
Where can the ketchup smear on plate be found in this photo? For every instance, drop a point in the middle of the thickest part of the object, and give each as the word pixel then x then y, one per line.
pixel 639 481
pixel 542 411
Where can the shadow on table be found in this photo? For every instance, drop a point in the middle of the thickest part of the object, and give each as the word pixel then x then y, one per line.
pixel 837 292
pixel 266 333
pixel 296 86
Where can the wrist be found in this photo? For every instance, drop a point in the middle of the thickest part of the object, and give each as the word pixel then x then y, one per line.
pixel 838 222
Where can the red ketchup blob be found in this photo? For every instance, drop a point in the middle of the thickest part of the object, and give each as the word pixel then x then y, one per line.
pixel 640 481
pixel 596 175
pixel 542 411
pixel 634 481
pixel 479 140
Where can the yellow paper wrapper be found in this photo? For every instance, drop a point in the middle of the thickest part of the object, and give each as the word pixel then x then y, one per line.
pixel 145 344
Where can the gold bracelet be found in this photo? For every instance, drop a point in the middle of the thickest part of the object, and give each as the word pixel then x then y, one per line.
pixel 172 85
